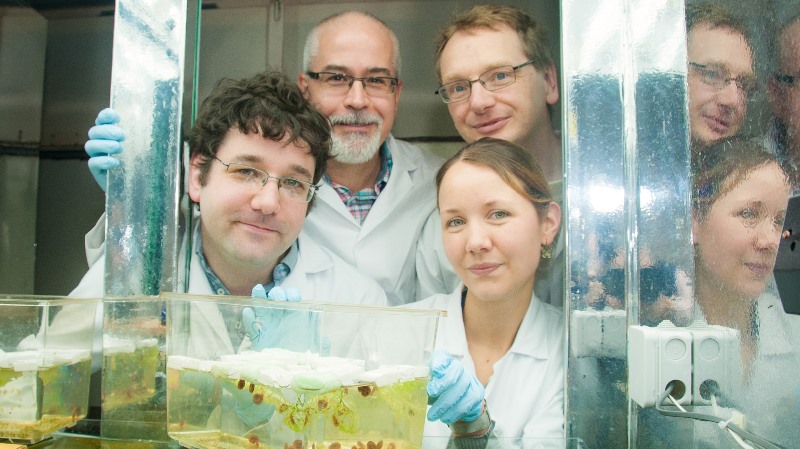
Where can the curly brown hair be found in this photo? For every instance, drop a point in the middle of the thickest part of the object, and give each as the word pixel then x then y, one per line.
pixel 268 104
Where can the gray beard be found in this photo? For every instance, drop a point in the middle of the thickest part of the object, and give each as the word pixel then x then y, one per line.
pixel 355 148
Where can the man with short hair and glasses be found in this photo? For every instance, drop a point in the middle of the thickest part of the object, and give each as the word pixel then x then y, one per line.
pixel 258 153
pixel 377 191
pixel 720 73
pixel 783 87
pixel 499 80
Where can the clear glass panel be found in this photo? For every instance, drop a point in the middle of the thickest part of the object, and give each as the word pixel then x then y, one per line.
pixel 641 251
pixel 142 196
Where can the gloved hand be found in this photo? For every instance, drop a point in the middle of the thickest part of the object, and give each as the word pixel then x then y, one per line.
pixel 105 139
pixel 277 293
pixel 295 330
pixel 250 413
pixel 456 394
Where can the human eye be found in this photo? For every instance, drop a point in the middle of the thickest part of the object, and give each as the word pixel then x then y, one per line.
pixel 335 78
pixel 244 172
pixel 457 88
pixel 498 214
pixel 455 222
pixel 294 186
pixel 500 75
pixel 714 73
pixel 378 81
pixel 749 215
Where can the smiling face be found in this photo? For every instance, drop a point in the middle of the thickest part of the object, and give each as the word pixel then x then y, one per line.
pixel 517 112
pixel 492 234
pixel 244 228
pixel 716 114
pixel 737 241
pixel 358 46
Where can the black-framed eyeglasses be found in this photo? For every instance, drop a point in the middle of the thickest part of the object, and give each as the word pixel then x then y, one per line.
pixel 786 79
pixel 718 76
pixel 492 79
pixel 254 179
pixel 341 83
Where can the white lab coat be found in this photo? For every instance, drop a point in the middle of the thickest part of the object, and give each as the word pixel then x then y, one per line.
pixel 435 274
pixel 319 274
pixel 384 248
pixel 525 395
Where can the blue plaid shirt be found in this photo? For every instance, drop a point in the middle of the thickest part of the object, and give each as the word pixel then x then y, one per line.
pixel 360 203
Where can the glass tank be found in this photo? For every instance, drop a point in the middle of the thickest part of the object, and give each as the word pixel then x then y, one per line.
pixel 45 364
pixel 244 373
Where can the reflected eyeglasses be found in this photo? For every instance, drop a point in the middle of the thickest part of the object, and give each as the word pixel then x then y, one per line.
pixel 718 77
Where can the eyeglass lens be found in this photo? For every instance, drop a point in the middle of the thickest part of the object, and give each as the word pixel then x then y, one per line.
pixel 492 79
pixel 255 179
pixel 342 83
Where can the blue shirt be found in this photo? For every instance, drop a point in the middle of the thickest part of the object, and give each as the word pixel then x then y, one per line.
pixel 232 315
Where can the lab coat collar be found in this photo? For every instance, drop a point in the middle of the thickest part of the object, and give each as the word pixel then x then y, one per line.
pixel 397 189
pixel 533 327
pixel 312 256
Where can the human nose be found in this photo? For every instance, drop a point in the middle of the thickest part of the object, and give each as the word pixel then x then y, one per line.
pixel 356 97
pixel 477 239
pixel 768 235
pixel 480 97
pixel 731 95
pixel 267 197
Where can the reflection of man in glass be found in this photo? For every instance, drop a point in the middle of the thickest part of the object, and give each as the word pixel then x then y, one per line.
pixel 720 75
pixel 784 95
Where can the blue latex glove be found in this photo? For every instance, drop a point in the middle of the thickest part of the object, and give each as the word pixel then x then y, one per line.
pixel 250 413
pixel 105 139
pixel 294 330
pixel 456 394
pixel 257 324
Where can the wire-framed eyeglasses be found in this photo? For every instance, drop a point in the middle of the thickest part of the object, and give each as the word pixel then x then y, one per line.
pixel 255 179
pixel 340 83
pixel 718 76
pixel 492 79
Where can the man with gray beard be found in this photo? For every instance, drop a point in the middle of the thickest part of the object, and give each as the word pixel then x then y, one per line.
pixel 377 191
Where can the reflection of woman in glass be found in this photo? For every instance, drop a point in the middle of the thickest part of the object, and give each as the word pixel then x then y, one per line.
pixel 739 197
pixel 498 222
pixel 739 200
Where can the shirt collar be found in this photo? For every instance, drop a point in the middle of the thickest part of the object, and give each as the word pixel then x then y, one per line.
pixel 279 273
pixel 383 176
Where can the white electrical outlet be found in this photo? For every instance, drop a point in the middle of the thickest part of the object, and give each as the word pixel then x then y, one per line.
pixel 598 333
pixel 715 362
pixel 659 356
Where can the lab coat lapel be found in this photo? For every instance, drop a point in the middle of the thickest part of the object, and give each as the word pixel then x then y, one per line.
pixel 328 195
pixel 396 191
